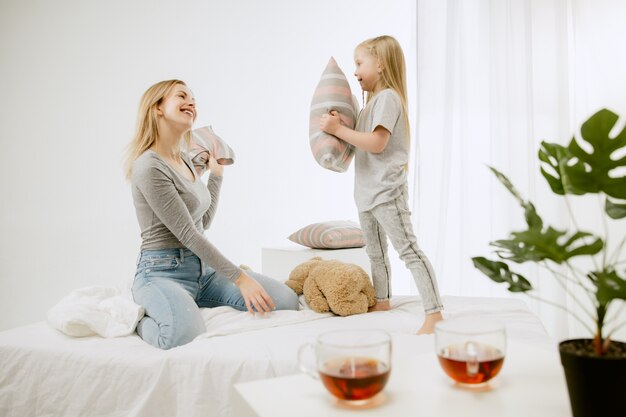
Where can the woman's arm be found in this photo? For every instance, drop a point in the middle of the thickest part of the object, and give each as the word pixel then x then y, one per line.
pixel 214 185
pixel 374 142
pixel 161 195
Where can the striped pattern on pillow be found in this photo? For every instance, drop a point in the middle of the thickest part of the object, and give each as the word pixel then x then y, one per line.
pixel 329 235
pixel 205 142
pixel 332 93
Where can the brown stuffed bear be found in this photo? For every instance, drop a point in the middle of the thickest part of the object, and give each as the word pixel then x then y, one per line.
pixel 331 285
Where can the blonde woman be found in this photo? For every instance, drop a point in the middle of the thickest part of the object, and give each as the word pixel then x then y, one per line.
pixel 178 269
pixel 381 139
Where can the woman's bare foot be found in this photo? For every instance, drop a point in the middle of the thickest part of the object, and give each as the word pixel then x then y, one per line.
pixel 381 306
pixel 429 323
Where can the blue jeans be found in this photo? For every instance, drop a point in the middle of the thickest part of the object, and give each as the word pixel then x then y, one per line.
pixel 171 285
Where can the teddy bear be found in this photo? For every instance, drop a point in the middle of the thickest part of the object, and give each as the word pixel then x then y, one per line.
pixel 332 285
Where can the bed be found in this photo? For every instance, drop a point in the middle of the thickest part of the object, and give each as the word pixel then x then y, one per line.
pixel 47 373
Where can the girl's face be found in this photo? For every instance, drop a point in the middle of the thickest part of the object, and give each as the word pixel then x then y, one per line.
pixel 178 108
pixel 367 70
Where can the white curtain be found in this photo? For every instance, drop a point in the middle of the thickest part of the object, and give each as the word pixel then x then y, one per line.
pixel 494 79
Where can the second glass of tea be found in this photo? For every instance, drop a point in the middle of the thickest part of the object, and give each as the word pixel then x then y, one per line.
pixel 470 349
pixel 353 365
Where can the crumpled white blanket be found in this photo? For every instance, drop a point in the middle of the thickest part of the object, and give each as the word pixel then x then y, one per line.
pixel 96 310
pixel 111 312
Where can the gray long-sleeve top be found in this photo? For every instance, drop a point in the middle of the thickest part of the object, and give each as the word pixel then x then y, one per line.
pixel 173 211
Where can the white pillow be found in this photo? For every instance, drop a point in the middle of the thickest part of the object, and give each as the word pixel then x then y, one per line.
pixel 337 234
pixel 205 143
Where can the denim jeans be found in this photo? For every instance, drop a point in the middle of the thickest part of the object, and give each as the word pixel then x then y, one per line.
pixel 393 219
pixel 171 285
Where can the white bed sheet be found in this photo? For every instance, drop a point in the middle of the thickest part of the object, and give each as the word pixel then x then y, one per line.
pixel 46 373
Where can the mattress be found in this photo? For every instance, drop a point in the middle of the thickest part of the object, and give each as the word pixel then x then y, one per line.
pixel 47 373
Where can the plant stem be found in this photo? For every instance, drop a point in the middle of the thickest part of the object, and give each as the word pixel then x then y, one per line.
pixel 618 250
pixel 573 219
pixel 606 232
pixel 588 291
pixel 562 308
pixel 568 291
pixel 617 327
pixel 615 314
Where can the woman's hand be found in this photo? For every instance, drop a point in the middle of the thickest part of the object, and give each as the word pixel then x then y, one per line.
pixel 215 168
pixel 254 295
pixel 330 122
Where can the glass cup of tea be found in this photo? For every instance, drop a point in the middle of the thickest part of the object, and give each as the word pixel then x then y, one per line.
pixel 470 349
pixel 353 365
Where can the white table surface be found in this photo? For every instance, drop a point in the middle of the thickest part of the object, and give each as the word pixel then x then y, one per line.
pixel 530 384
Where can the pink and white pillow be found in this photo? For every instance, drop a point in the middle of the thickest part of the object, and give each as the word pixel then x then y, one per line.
pixel 332 93
pixel 205 143
pixel 336 234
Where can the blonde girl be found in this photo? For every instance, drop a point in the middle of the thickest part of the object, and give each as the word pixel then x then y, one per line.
pixel 381 139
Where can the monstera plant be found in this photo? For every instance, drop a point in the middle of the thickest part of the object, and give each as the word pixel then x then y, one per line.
pixel 578 258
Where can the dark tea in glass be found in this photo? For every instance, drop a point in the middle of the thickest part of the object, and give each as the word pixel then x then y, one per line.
pixel 354 378
pixel 470 348
pixel 353 365
pixel 471 364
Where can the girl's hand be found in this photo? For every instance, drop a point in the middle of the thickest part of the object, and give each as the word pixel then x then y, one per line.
pixel 215 168
pixel 254 295
pixel 330 122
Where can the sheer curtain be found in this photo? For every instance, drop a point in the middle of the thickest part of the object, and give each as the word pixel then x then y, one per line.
pixel 494 79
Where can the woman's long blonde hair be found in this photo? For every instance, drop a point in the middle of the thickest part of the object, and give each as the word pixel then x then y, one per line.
pixel 147 130
pixel 388 52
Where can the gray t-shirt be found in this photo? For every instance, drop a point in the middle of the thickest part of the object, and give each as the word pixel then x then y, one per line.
pixel 381 177
pixel 173 211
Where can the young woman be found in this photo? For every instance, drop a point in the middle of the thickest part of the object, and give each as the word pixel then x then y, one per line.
pixel 178 269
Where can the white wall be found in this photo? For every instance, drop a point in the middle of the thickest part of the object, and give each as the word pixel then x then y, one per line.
pixel 72 76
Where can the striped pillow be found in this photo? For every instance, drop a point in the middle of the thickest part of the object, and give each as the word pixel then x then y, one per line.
pixel 205 142
pixel 329 235
pixel 332 93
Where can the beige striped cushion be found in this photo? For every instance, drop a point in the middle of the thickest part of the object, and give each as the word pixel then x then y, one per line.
pixel 329 235
pixel 205 142
pixel 332 93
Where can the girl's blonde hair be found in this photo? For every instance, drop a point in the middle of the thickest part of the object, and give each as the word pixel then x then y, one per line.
pixel 147 130
pixel 388 52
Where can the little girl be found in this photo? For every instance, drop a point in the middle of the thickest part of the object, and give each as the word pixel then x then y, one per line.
pixel 381 139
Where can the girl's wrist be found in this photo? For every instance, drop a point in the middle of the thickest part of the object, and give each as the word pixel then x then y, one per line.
pixel 338 131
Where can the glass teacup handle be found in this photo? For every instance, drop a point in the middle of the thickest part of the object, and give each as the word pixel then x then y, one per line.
pixel 303 366
pixel 471 353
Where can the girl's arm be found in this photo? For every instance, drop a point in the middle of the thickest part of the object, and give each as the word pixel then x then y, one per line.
pixel 374 142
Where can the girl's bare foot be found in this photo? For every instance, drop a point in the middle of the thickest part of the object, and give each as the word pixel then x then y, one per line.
pixel 429 323
pixel 381 306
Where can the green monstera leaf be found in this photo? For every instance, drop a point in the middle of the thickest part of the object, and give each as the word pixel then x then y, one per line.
pixel 537 245
pixel 615 210
pixel 576 171
pixel 557 158
pixel 532 218
pixel 538 242
pixel 610 287
pixel 500 273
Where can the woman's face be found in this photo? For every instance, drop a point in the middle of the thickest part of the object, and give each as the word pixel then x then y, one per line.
pixel 178 108
pixel 367 70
